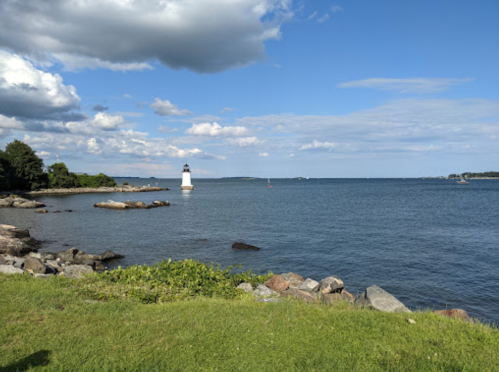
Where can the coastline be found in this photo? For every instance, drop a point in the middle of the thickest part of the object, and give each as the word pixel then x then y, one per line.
pixel 97 190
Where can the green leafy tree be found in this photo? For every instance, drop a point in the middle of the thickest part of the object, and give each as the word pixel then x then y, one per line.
pixel 61 178
pixel 101 180
pixel 25 167
pixel 4 180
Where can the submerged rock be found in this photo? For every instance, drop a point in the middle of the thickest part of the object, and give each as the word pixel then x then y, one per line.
pixel 238 245
pixel 377 298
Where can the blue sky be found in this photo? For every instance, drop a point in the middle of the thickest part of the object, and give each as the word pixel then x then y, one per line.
pixel 261 88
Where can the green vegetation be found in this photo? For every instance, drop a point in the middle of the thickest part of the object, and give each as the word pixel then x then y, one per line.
pixel 475 175
pixel 101 180
pixel 51 325
pixel 61 178
pixel 22 169
pixel 169 281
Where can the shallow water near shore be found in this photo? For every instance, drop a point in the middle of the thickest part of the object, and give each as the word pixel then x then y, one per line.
pixel 431 243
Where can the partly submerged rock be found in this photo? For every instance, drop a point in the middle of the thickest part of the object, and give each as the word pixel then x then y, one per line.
pixel 238 245
pixel 41 211
pixel 377 298
pixel 110 204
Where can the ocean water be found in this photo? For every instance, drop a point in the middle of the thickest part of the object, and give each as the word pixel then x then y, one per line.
pixel 431 243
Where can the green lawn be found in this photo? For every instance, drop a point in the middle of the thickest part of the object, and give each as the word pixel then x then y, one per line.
pixel 45 326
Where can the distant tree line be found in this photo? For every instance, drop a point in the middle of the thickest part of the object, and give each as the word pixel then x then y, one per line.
pixel 475 175
pixel 22 169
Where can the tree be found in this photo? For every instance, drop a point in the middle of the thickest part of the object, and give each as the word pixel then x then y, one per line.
pixel 96 181
pixel 4 181
pixel 25 168
pixel 60 177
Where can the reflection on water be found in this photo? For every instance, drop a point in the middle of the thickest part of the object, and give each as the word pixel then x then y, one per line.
pixel 186 194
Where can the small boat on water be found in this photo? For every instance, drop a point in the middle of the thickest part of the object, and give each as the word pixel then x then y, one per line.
pixel 268 183
pixel 462 181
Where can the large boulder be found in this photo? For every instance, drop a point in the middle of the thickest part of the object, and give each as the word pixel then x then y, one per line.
pixel 263 291
pixel 331 284
pixel 329 298
pixel 238 245
pixel 454 313
pixel 309 285
pixel 36 265
pixel 9 269
pixel 17 202
pixel 15 246
pixel 294 280
pixel 377 298
pixel 77 271
pixel 277 283
pixel 299 295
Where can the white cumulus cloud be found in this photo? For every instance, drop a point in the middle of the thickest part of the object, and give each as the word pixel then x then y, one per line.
pixel 318 145
pixel 245 141
pixel 200 35
pixel 166 108
pixel 31 93
pixel 216 130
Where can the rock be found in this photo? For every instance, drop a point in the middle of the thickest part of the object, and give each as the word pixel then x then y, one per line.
pixel 108 255
pixel 111 205
pixel 157 203
pixel 15 246
pixel 246 287
pixel 328 298
pixel 41 211
pixel 295 280
pixel 454 313
pixel 131 205
pixel 43 276
pixel 68 255
pixel 56 212
pixel 277 283
pixel 77 271
pixel 17 202
pixel 411 321
pixel 13 232
pixel 3 261
pixel 48 256
pixel 376 298
pixel 18 262
pixel 331 284
pixel 68 210
pixel 37 266
pixel 263 291
pixel 244 246
pixel 309 285
pixel 9 269
pixel 35 255
pixel 55 265
pixel 298 294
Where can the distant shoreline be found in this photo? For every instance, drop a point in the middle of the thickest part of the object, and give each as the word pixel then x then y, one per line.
pixel 97 190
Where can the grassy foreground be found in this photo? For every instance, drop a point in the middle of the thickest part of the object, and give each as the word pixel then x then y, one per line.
pixel 46 326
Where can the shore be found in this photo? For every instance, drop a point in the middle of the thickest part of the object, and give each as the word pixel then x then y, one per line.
pixel 98 190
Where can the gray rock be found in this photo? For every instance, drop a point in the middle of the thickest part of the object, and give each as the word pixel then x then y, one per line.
pixel 9 269
pixel 330 298
pixel 18 262
pixel 294 280
pixel 35 255
pixel 107 256
pixel 37 266
pixel 77 271
pixel 331 284
pixel 263 291
pixel 377 298
pixel 246 287
pixel 41 210
pixel 310 285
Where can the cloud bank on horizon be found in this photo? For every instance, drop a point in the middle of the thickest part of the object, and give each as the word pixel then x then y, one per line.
pixel 132 87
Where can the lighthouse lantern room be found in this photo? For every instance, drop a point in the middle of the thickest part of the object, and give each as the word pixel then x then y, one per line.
pixel 186 179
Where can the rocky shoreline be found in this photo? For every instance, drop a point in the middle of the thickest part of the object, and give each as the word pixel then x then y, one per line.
pixel 19 255
pixel 98 190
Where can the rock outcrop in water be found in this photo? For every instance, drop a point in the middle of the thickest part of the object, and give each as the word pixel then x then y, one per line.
pixel 18 202
pixel 97 190
pixel 244 246
pixel 110 204
pixel 19 254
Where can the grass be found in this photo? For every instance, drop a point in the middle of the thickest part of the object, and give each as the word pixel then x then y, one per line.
pixel 45 325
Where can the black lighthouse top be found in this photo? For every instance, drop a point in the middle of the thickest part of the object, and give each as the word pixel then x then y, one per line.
pixel 186 168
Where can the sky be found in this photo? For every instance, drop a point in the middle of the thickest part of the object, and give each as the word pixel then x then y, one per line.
pixel 262 88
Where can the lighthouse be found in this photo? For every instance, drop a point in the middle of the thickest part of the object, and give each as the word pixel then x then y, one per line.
pixel 186 179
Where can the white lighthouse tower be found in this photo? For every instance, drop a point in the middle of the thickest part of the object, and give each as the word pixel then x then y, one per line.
pixel 186 179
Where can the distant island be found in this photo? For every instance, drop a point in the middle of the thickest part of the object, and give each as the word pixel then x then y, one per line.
pixel 469 175
pixel 240 178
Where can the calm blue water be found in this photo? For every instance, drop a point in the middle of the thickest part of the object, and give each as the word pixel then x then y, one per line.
pixel 431 243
